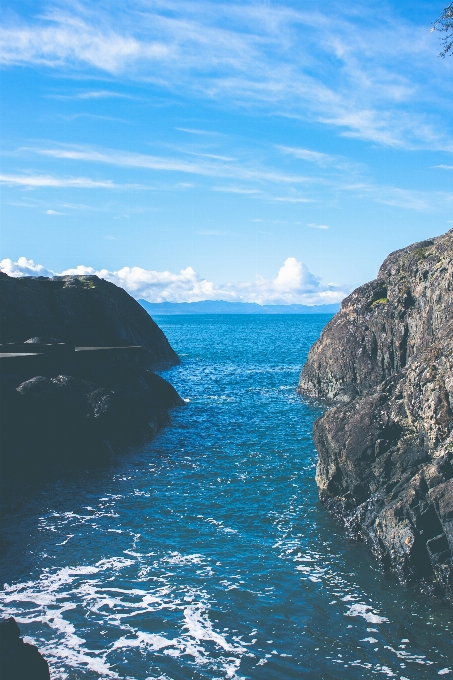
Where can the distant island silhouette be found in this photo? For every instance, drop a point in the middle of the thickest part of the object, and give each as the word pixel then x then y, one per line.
pixel 225 307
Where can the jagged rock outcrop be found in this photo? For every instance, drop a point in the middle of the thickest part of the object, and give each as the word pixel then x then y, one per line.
pixel 18 659
pixel 84 310
pixel 386 449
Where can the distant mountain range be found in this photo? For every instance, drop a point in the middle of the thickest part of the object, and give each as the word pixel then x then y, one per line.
pixel 224 307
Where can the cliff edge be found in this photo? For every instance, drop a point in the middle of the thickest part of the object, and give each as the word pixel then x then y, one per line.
pixel 385 364
pixel 83 310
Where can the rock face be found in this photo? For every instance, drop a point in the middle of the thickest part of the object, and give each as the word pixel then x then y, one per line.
pixel 385 363
pixel 18 659
pixel 64 422
pixel 83 310
pixel 111 399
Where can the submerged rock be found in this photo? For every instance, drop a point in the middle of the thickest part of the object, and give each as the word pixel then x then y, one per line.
pixel 386 449
pixel 18 659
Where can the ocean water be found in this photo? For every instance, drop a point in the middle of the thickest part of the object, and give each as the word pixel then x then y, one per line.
pixel 205 553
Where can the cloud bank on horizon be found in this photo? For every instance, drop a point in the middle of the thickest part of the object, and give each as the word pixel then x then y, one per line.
pixel 294 284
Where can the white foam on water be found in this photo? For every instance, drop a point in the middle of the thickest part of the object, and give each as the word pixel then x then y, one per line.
pixel 177 558
pixel 200 628
pixel 407 656
pixel 367 613
pixel 94 592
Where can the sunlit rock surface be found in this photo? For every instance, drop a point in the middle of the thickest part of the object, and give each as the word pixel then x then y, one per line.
pixel 386 448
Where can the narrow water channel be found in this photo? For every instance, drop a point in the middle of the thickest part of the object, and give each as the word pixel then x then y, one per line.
pixel 205 554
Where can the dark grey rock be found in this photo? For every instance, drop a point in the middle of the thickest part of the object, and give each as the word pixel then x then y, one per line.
pixel 18 659
pixel 82 310
pixel 386 449
pixel 85 403
pixel 64 422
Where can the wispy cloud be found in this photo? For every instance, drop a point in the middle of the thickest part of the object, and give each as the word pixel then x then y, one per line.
pixel 294 284
pixel 323 160
pixel 94 94
pixel 102 94
pixel 191 131
pixel 211 168
pixel 41 181
pixel 257 181
pixel 236 190
pixel 318 226
pixel 444 167
pixel 379 82
pixel 93 116
pixel 292 199
pixel 423 201
pixel 317 157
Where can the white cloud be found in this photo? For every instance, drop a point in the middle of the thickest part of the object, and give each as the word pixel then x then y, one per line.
pixel 66 38
pixel 307 155
pixel 94 94
pixel 53 212
pixel 292 199
pixel 423 201
pixel 215 167
pixel 444 167
pixel 102 94
pixel 23 267
pixel 318 226
pixel 236 190
pixel 294 284
pixel 191 131
pixel 373 75
pixel 40 181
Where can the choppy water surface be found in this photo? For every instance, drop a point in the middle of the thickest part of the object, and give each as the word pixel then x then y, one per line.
pixel 205 554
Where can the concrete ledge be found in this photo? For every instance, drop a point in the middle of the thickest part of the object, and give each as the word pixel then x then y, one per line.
pixel 103 365
pixel 20 366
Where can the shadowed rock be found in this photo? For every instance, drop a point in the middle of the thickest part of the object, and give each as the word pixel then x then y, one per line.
pixel 18 659
pixel 83 310
pixel 63 406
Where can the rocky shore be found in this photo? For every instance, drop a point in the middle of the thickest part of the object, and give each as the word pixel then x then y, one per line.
pixel 62 408
pixel 385 365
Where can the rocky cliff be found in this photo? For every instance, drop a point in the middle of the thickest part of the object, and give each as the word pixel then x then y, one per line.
pixel 70 413
pixel 385 362
pixel 83 310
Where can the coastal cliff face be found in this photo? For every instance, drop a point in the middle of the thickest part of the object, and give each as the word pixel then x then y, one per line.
pixel 83 407
pixel 84 310
pixel 385 363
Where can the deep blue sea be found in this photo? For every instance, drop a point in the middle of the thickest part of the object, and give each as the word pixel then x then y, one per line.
pixel 205 553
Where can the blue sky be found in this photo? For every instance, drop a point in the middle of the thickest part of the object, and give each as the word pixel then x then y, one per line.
pixel 268 151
